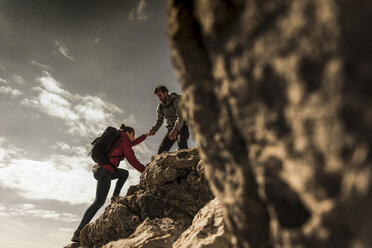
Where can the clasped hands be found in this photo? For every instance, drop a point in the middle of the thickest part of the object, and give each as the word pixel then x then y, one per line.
pixel 172 135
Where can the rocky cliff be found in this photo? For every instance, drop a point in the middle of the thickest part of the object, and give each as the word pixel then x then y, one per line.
pixel 278 96
pixel 172 206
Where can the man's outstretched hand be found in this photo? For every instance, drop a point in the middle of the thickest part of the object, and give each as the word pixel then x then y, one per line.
pixel 151 133
pixel 173 134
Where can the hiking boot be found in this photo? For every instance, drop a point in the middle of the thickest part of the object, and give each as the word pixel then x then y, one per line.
pixel 115 198
pixel 76 236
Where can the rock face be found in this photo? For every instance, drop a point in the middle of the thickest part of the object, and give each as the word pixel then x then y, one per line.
pixel 278 96
pixel 207 229
pixel 156 211
pixel 151 234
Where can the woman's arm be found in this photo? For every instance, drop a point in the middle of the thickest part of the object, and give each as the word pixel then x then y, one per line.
pixel 139 140
pixel 129 155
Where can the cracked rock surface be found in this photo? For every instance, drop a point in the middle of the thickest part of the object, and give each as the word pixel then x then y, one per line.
pixel 278 97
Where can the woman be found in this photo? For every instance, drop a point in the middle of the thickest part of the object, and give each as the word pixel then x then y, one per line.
pixel 106 172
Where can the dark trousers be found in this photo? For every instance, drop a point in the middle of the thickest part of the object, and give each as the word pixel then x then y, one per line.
pixel 104 178
pixel 182 137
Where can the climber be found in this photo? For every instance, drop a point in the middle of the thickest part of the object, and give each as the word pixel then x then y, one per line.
pixel 104 173
pixel 169 108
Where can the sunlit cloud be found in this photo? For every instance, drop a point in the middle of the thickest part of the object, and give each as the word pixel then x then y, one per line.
pixel 30 210
pixel 47 180
pixel 65 178
pixel 8 90
pixel 84 115
pixel 51 85
pixel 62 49
pixel 138 13
pixel 52 104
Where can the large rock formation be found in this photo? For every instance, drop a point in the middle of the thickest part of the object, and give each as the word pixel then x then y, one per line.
pixel 155 212
pixel 278 95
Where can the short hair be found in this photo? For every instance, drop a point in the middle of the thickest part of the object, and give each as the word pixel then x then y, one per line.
pixel 161 88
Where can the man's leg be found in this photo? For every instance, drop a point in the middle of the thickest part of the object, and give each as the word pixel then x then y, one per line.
pixel 122 176
pixel 183 136
pixel 166 144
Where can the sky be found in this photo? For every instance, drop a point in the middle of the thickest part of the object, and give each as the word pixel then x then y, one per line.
pixel 69 69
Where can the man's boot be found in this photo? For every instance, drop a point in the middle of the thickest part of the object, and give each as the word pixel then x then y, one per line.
pixel 76 236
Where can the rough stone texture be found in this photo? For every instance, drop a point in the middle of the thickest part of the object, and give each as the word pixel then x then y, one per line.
pixel 278 96
pixel 156 233
pixel 207 229
pixel 173 186
pixel 74 245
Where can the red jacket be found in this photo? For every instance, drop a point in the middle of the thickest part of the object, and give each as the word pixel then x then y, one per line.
pixel 123 146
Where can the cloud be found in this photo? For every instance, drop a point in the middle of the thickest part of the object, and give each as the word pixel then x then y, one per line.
pixel 65 178
pixel 32 116
pixel 51 85
pixel 18 79
pixel 31 210
pixel 62 146
pixel 8 90
pixel 21 232
pixel 80 151
pixel 3 80
pixel 138 13
pixel 85 116
pixel 143 152
pixel 52 104
pixel 7 151
pixel 62 49
pixel 41 66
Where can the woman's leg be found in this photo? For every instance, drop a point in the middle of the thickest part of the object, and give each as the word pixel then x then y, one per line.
pixel 122 176
pixel 103 187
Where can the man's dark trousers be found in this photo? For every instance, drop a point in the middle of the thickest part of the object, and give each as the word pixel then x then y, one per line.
pixel 182 137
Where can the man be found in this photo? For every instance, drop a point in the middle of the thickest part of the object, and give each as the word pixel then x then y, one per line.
pixel 169 108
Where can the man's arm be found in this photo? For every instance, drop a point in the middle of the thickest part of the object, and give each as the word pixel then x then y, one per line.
pixel 179 122
pixel 159 120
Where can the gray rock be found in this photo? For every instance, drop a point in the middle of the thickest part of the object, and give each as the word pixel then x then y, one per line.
pixel 278 97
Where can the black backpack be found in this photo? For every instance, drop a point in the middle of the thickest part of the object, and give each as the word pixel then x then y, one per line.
pixel 102 144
